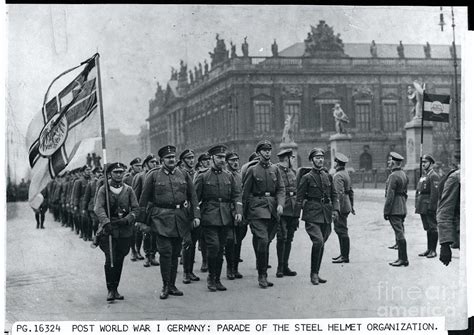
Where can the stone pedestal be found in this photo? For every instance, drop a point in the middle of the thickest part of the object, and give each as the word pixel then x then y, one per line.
pixel 413 141
pixel 341 143
pixel 293 146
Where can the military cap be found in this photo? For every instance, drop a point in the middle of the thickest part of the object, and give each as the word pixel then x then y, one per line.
pixel 428 158
pixel 263 144
pixel 117 166
pixel 341 158
pixel 203 156
pixel 231 155
pixel 285 152
pixel 148 158
pixel 396 157
pixel 186 153
pixel 316 152
pixel 136 160
pixel 167 150
pixel 217 149
pixel 97 169
pixel 253 156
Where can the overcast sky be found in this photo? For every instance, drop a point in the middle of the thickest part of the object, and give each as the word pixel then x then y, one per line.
pixel 138 44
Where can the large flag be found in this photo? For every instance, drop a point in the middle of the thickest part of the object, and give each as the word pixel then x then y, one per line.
pixel 64 131
pixel 436 107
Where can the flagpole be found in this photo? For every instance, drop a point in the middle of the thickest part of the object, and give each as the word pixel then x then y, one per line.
pixel 104 150
pixel 421 142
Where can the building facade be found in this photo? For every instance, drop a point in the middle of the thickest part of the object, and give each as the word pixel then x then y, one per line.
pixel 242 99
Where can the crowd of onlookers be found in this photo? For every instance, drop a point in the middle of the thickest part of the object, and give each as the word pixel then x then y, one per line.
pixel 17 192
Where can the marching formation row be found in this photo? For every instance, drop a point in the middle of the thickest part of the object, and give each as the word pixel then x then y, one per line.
pixel 173 204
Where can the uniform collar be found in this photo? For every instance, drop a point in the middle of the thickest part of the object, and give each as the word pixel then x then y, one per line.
pixel 396 168
pixel 168 171
pixel 340 168
pixel 315 169
pixel 265 165
pixel 216 171
pixel 284 168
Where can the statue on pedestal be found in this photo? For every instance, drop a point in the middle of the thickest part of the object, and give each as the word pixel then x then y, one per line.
pixel 191 77
pixel 427 50
pixel 401 50
pixel 288 131
pixel 340 118
pixel 415 95
pixel 233 53
pixel 373 49
pixel 174 74
pixel 274 48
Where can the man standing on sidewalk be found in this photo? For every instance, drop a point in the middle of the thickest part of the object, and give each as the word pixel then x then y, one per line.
pixel 395 208
pixel 426 204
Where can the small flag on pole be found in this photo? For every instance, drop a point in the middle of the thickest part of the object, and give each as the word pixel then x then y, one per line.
pixel 64 131
pixel 436 107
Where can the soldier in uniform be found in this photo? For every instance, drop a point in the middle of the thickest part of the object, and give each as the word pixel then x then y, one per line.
pixel 41 210
pixel 448 214
pixel 239 231
pixel 204 162
pixel 219 193
pixel 320 208
pixel 135 168
pixel 149 238
pixel 89 198
pixel 343 185
pixel 395 208
pixel 170 192
pixel 289 220
pixel 426 203
pixel 80 206
pixel 263 198
pixel 118 223
pixel 188 254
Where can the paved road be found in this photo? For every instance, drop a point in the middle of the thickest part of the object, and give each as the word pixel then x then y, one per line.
pixel 54 275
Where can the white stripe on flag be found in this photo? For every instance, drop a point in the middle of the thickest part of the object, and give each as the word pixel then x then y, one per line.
pixel 436 107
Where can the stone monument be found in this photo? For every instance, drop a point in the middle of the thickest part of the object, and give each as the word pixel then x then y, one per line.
pixel 341 141
pixel 287 139
pixel 413 132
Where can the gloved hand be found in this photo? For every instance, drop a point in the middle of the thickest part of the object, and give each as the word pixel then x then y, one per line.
pixel 335 216
pixel 238 219
pixel 143 227
pixel 196 223
pixel 279 210
pixel 353 211
pixel 385 216
pixel 445 254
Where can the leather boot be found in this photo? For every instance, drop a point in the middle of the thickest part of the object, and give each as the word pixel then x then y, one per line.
pixel 211 283
pixel 147 262
pixel 402 254
pixel 110 296
pixel 286 256
pixel 270 284
pixel 139 256
pixel 262 281
pixel 237 274
pixel 118 296
pixel 340 247
pixel 344 258
pixel 395 246
pixel 428 242
pixel 134 256
pixel 186 278
pixel 280 247
pixel 314 278
pixel 165 291
pixel 193 277
pixel 230 273
pixel 219 285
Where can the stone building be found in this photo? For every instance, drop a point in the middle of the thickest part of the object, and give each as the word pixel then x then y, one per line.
pixel 242 99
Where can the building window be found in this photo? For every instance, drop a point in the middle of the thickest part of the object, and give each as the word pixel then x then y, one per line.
pixel 390 119
pixel 293 108
pixel 262 116
pixel 323 120
pixel 365 161
pixel 363 116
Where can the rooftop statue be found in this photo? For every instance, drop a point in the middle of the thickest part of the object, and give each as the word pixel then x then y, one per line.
pixel 274 48
pixel 288 130
pixel 245 47
pixel 321 42
pixel 373 49
pixel 427 50
pixel 401 50
pixel 206 67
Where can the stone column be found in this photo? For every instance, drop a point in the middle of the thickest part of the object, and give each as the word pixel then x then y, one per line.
pixel 341 143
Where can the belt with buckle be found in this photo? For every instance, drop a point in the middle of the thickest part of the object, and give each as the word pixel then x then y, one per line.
pixel 170 206
pixel 264 194
pixel 290 194
pixel 216 200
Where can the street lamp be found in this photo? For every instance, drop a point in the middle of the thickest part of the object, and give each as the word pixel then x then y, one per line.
pixel 456 97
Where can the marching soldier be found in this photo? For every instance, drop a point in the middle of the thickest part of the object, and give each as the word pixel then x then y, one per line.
pixel 320 208
pixel 448 214
pixel 237 234
pixel 289 220
pixel 80 206
pixel 41 210
pixel 426 202
pixel 136 167
pixel 118 223
pixel 263 198
pixel 395 208
pixel 217 190
pixel 170 192
pixel 90 195
pixel 149 238
pixel 204 162
pixel 69 204
pixel 343 185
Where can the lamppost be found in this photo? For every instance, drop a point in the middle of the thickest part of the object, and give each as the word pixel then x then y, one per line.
pixel 457 124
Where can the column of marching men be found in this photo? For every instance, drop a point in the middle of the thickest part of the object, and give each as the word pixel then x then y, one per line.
pixel 175 206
